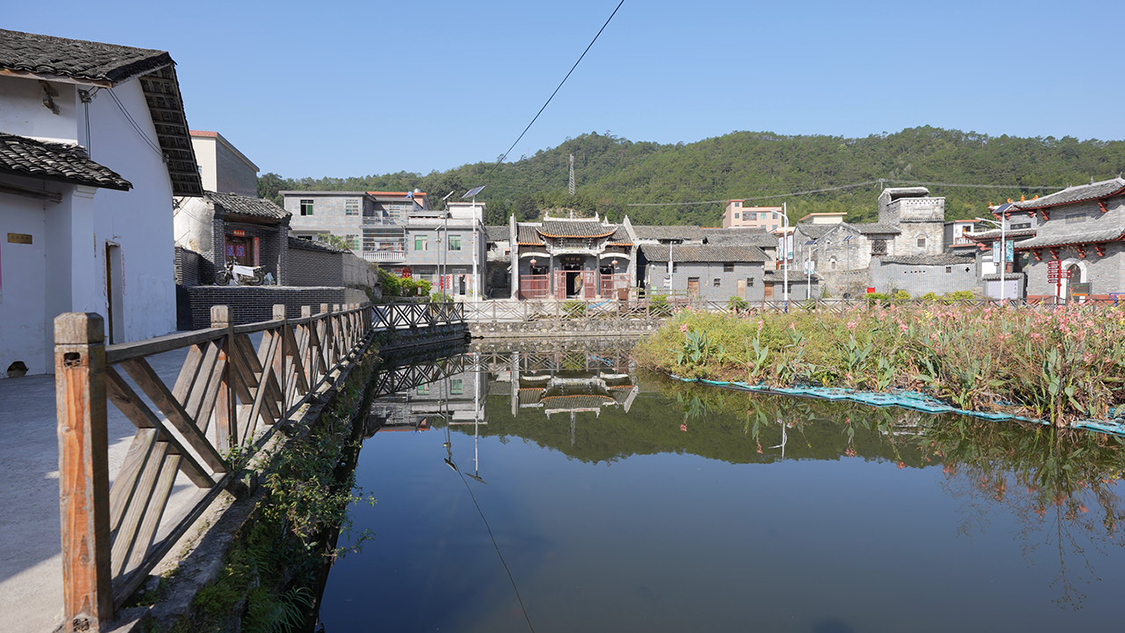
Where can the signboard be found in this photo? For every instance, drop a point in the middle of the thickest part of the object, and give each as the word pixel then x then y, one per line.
pixel 19 238
pixel 870 291
pixel 1010 251
pixel 996 252
pixel 238 233
pixel 1053 268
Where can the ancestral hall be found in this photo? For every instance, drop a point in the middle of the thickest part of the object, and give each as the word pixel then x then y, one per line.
pixel 572 258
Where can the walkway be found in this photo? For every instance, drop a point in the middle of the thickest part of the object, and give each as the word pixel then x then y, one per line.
pixel 30 561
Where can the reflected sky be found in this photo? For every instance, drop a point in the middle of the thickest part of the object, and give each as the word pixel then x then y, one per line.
pixel 618 501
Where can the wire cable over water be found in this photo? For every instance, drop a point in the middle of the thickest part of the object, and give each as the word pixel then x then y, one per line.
pixel 498 553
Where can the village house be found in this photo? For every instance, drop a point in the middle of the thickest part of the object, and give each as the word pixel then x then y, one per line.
pixel 356 217
pixel 1078 252
pixel 713 272
pixel 448 248
pixel 738 216
pixel 94 144
pixel 911 225
pixel 1017 227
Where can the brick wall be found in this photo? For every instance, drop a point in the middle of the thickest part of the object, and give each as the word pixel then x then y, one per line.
pixel 250 304
pixel 188 264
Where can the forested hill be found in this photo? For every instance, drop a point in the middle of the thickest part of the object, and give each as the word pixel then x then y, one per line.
pixel 612 172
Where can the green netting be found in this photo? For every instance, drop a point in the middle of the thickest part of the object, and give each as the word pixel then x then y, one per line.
pixel 912 400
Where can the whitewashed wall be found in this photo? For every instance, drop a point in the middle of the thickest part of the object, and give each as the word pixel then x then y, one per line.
pixel 65 270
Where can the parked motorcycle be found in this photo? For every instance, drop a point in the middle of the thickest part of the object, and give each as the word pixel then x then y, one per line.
pixel 242 275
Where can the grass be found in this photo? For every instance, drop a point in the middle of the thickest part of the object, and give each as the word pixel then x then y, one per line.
pixel 1060 364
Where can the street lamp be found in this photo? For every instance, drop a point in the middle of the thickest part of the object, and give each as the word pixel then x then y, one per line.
pixel 1003 252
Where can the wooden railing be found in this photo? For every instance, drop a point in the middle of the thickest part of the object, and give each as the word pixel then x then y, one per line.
pixel 515 311
pixel 227 399
pixel 397 316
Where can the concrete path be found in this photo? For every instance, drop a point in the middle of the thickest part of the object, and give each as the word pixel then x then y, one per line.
pixel 30 560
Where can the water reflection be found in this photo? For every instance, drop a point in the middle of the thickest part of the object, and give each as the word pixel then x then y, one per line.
pixel 890 491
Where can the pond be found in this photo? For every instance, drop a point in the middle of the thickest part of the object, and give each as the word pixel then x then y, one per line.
pixel 528 490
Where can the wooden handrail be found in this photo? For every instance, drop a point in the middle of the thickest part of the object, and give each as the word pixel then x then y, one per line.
pixel 228 394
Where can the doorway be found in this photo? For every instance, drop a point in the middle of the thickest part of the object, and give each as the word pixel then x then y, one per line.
pixel 115 292
pixel 693 286
pixel 572 272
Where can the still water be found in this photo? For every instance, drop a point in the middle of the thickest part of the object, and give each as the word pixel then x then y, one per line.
pixel 528 490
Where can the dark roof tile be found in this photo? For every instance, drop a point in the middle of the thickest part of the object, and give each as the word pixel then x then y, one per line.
pixel 1071 195
pixel 233 203
pixel 576 228
pixel 98 63
pixel 59 162
pixel 944 259
pixel 704 253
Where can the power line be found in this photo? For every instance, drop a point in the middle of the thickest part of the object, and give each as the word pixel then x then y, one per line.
pixel 136 126
pixel 841 187
pixel 497 546
pixel 504 156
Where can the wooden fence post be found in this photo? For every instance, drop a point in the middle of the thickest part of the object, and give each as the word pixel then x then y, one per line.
pixel 226 414
pixel 83 471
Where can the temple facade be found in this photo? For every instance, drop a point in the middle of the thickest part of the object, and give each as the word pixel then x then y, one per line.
pixel 572 258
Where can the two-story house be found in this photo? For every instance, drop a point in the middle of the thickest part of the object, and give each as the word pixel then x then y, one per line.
pixel 357 217
pixel 572 258
pixel 94 144
pixel 1078 251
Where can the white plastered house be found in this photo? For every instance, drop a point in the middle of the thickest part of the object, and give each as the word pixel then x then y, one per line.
pixel 94 144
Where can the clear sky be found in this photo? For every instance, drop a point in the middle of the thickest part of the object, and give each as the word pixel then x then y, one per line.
pixel 354 88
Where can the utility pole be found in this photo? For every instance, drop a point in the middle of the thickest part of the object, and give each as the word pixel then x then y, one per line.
pixel 570 184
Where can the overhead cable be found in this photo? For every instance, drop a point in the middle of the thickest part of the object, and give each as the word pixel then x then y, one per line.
pixel 504 156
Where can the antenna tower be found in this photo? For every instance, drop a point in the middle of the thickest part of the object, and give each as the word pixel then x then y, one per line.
pixel 570 184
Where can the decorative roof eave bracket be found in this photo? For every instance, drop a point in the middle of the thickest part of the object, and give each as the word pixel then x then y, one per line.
pixel 1100 249
pixel 1046 214
pixel 1054 252
pixel 1081 248
pixel 1103 206
pixel 1038 253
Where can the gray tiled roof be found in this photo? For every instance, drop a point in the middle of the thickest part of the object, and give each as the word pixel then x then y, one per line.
pixel 995 234
pixel 59 162
pixel 704 253
pixel 1112 233
pixel 621 236
pixel 233 203
pixel 815 231
pixel 1070 195
pixel 657 232
pixel 310 245
pixel 576 228
pixel 875 228
pixel 498 233
pixel 94 62
pixel 528 234
pixel 944 259
pixel 755 237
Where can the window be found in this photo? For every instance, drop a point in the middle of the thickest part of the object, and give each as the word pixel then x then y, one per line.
pixel 423 390
pixel 306 207
pixel 420 242
pixel 750 281
pixel 454 242
pixel 948 269
pixel 351 207
pixel 728 268
pixel 718 283
pixel 736 216
pixel 773 228
pixel 832 264
pixel 353 241
pixel 921 240
pixel 737 203
pixel 456 386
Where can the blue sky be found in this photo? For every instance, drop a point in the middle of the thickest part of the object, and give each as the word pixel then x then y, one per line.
pixel 355 88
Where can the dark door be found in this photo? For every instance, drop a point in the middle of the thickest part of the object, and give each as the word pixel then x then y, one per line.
pixel 693 286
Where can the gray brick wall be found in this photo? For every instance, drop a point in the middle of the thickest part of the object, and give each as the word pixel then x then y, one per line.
pixel 707 273
pixel 251 304
pixel 1105 275
pixel 920 280
pixel 188 264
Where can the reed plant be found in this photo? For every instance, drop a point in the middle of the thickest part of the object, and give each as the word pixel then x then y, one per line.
pixel 1061 364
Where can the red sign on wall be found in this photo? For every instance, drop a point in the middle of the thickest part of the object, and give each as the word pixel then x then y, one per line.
pixel 1054 267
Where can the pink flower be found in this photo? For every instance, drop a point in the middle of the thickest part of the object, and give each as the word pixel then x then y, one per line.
pixel 902 465
pixel 683 427
pixel 683 328
pixel 902 326
pixel 759 448
pixel 852 325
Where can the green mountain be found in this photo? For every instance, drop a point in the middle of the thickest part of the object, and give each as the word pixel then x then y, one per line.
pixel 611 173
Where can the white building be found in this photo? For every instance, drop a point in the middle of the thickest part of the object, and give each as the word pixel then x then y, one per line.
pixel 94 146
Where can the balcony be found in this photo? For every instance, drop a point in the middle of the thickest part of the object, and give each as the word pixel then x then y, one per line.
pixel 385 257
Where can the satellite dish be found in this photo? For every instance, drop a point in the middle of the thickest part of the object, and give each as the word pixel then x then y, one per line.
pixel 472 193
